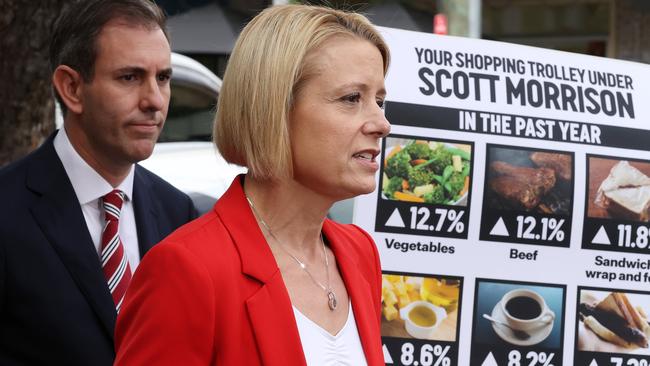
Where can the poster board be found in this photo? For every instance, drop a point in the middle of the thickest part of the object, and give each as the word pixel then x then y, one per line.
pixel 514 185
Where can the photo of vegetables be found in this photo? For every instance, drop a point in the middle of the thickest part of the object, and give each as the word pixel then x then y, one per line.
pixel 426 171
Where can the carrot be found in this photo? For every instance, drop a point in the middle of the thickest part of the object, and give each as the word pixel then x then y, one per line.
pixel 405 184
pixel 395 150
pixel 415 162
pixel 401 196
pixel 465 187
pixel 421 142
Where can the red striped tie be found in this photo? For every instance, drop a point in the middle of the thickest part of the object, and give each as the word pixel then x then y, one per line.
pixel 115 265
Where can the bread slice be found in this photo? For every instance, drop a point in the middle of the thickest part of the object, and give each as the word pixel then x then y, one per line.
pixel 619 304
pixel 604 333
pixel 625 193
pixel 624 175
pixel 629 203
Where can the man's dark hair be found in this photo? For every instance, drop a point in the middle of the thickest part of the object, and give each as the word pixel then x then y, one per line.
pixel 74 37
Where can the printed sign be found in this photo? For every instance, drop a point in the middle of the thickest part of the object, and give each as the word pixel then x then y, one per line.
pixel 519 177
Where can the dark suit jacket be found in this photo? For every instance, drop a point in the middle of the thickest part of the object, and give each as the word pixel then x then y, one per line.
pixel 223 300
pixel 55 307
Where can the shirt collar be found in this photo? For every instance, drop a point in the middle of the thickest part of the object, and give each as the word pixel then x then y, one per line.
pixel 88 185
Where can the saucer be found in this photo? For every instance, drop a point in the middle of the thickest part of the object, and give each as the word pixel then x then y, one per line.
pixel 537 335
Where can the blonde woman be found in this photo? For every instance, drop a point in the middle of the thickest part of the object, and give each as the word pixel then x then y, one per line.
pixel 265 278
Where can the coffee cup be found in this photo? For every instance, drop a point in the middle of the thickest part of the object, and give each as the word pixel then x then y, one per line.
pixel 421 318
pixel 526 310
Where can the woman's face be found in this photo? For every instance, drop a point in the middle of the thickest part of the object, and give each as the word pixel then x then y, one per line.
pixel 337 119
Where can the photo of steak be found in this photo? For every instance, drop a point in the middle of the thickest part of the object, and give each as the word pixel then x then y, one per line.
pixel 523 186
pixel 561 163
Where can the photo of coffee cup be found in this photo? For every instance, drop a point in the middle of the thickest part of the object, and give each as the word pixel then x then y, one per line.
pixel 421 318
pixel 518 313
pixel 526 310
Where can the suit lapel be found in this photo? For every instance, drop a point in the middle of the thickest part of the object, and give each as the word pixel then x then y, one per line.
pixel 274 324
pixel 59 216
pixel 269 308
pixel 359 291
pixel 145 211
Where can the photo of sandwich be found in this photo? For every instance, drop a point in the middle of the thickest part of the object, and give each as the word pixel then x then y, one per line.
pixel 613 322
pixel 536 181
pixel 619 189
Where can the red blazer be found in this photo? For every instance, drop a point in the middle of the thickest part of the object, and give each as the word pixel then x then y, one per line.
pixel 211 294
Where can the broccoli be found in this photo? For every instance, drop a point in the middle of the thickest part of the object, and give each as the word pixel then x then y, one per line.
pixel 394 185
pixel 418 151
pixel 441 158
pixel 455 185
pixel 419 177
pixel 399 165
pixel 435 196
pixel 465 170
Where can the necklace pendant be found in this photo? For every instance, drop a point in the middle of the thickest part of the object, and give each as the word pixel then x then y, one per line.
pixel 331 300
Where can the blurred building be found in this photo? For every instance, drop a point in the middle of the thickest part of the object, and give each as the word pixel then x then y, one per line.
pixel 612 28
pixel 206 29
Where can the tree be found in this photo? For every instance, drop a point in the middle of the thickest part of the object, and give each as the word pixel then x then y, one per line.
pixel 26 100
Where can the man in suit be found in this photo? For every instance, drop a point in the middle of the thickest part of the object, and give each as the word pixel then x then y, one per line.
pixel 79 213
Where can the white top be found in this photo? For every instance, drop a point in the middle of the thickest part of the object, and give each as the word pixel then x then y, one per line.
pixel 323 349
pixel 90 187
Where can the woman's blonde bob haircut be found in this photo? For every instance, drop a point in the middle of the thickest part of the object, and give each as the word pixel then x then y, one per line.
pixel 265 69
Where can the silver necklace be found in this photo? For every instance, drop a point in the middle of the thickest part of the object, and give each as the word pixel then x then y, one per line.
pixel 332 302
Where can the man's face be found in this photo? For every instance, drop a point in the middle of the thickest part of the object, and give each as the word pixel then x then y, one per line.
pixel 125 104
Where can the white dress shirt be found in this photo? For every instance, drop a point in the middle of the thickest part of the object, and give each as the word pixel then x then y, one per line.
pixel 90 187
pixel 323 349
